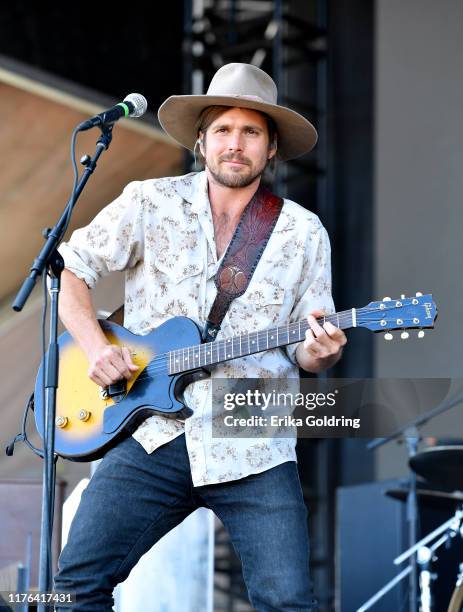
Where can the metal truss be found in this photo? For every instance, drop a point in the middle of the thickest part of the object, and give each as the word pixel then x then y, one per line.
pixel 290 46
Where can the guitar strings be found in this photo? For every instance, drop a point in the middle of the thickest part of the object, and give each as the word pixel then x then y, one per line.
pixel 344 317
pixel 159 363
pixel 261 335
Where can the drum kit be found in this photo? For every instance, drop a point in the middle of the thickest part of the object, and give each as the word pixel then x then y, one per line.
pixel 442 467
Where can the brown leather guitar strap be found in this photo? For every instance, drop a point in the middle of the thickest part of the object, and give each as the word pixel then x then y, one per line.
pixel 242 255
pixel 240 260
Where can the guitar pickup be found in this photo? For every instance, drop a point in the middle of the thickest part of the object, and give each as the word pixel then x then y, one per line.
pixel 116 391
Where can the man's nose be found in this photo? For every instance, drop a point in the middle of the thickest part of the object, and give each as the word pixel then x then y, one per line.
pixel 235 143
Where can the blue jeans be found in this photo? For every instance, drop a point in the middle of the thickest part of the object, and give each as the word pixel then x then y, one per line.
pixel 134 498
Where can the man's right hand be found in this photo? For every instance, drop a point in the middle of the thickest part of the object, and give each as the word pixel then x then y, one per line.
pixel 109 364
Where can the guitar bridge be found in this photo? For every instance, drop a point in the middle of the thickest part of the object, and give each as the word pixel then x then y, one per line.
pixel 116 391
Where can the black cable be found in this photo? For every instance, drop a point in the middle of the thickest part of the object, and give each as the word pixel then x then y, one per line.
pixel 76 179
pixel 24 438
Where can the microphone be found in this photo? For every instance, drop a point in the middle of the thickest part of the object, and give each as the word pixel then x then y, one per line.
pixel 134 105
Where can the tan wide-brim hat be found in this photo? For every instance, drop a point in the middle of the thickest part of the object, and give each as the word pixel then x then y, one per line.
pixel 243 86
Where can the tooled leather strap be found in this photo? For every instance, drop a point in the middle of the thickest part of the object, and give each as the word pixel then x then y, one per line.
pixel 242 256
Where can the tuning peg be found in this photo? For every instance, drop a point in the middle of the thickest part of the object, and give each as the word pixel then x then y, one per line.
pixel 421 334
pixel 418 294
pixel 404 335
pixel 388 336
pixel 386 299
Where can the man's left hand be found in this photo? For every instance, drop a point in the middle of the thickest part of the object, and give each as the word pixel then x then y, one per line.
pixel 322 346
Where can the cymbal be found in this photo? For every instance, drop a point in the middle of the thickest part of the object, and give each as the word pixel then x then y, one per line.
pixel 441 465
pixel 438 500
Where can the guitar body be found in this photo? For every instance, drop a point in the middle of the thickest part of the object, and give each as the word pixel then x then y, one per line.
pixel 89 420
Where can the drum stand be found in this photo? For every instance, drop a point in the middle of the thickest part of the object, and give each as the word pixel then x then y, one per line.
pixel 410 433
pixel 424 557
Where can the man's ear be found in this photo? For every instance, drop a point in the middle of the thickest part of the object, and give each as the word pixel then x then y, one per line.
pixel 201 143
pixel 272 148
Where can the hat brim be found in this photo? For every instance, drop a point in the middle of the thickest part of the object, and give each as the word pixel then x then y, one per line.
pixel 178 116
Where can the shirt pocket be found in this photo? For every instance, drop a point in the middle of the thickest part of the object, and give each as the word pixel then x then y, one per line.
pixel 177 267
pixel 262 295
pixel 260 307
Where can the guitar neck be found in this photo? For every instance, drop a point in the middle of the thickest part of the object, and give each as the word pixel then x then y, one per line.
pixel 248 343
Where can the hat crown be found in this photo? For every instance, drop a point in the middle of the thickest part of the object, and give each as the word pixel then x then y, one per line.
pixel 243 81
pixel 238 85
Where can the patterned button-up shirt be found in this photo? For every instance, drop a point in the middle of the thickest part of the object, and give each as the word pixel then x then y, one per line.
pixel 161 233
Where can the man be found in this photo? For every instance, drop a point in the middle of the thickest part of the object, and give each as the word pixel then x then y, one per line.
pixel 169 235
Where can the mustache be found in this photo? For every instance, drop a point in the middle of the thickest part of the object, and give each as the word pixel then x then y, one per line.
pixel 238 158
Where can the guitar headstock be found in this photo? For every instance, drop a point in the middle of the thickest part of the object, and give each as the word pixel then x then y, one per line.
pixel 417 312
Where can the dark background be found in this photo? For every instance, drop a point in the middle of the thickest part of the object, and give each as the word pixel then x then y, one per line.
pixel 116 51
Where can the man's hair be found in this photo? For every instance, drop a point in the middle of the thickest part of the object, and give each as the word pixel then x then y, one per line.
pixel 211 113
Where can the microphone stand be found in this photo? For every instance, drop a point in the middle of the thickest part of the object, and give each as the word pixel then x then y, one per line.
pixel 49 258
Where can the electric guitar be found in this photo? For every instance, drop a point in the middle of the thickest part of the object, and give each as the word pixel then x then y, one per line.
pixel 90 419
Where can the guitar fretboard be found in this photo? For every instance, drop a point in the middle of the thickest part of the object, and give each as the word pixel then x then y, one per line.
pixel 212 353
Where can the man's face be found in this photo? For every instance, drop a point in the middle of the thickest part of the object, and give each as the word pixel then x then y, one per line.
pixel 236 147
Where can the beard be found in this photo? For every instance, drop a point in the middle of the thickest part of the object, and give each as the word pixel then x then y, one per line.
pixel 236 178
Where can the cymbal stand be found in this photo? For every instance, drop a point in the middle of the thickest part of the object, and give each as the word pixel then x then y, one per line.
pixel 424 559
pixel 426 555
pixel 451 528
pixel 385 589
pixel 453 524
pixel 409 432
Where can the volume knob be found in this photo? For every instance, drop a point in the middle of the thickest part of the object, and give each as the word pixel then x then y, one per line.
pixel 61 422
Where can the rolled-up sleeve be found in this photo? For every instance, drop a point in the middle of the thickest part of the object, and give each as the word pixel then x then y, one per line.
pixel 114 240
pixel 314 291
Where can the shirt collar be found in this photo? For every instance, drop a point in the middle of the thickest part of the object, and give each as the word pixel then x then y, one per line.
pixel 193 188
